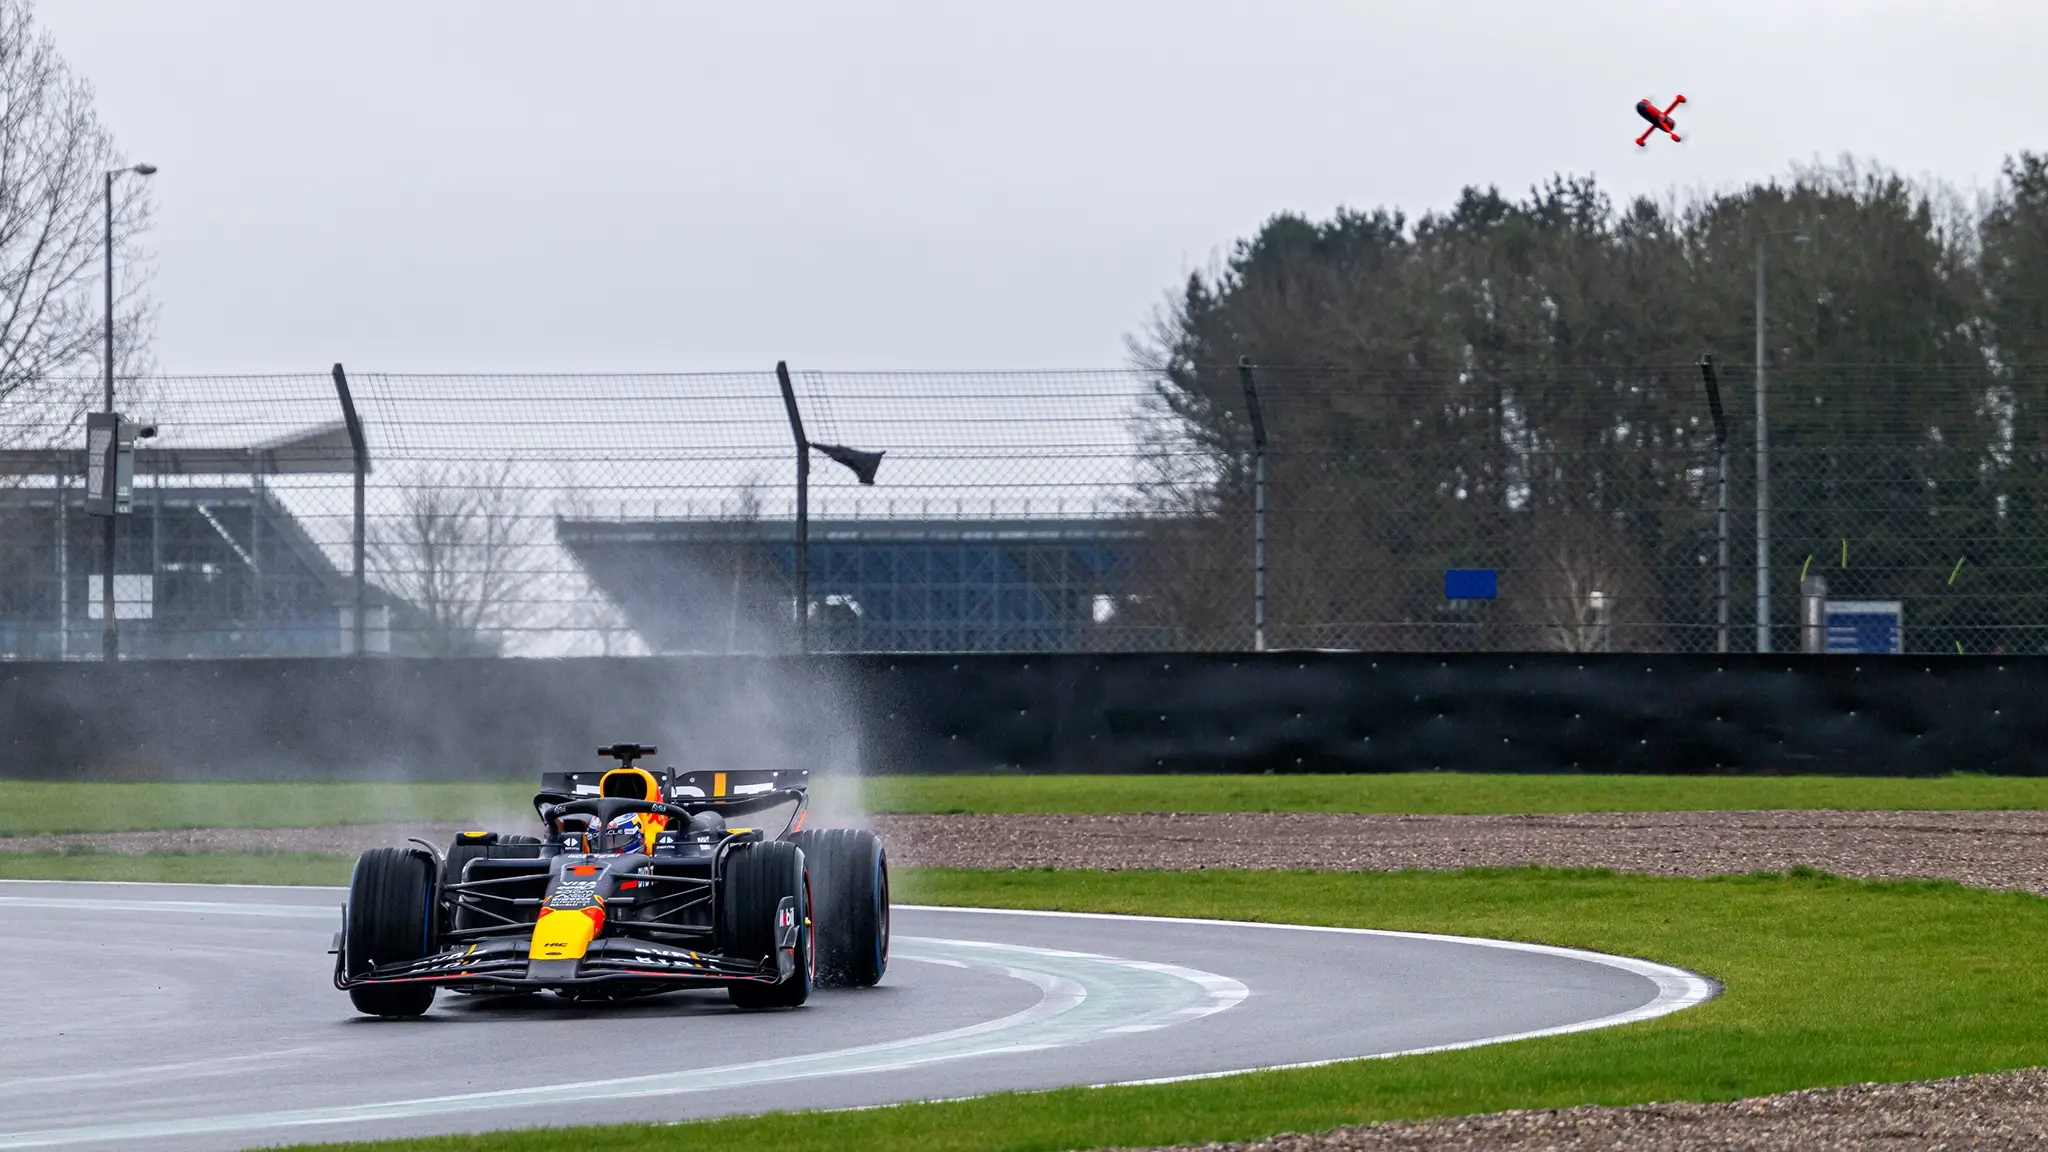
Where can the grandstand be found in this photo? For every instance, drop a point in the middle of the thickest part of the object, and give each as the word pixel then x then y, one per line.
pixel 877 585
pixel 202 567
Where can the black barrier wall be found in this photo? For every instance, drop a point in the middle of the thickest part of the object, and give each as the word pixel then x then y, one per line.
pixel 1306 712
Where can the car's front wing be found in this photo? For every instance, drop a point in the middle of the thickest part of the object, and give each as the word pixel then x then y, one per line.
pixel 503 964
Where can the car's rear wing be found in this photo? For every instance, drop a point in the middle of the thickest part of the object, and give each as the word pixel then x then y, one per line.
pixel 736 785
pixel 721 789
pixel 576 785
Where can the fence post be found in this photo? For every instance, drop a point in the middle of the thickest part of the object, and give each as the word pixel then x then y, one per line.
pixel 63 562
pixel 361 470
pixel 1763 467
pixel 1258 419
pixel 1813 619
pixel 1713 382
pixel 803 508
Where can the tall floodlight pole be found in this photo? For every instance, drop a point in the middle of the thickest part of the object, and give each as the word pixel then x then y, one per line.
pixel 1763 452
pixel 1258 421
pixel 1763 469
pixel 110 638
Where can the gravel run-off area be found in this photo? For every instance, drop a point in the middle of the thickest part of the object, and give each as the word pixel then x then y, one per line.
pixel 2004 1111
pixel 1989 849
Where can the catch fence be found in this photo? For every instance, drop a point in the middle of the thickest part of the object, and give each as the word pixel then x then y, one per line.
pixel 1035 511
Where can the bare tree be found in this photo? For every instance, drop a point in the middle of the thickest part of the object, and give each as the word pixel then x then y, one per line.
pixel 584 612
pixel 54 156
pixel 460 552
pixel 1586 587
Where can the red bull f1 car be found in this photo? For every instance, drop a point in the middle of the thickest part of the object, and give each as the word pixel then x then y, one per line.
pixel 642 881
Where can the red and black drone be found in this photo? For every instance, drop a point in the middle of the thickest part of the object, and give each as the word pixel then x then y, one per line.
pixel 1659 121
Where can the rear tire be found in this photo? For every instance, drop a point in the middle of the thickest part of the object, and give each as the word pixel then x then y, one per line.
pixel 758 877
pixel 390 918
pixel 850 877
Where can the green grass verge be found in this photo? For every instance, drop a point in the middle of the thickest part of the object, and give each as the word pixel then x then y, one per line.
pixel 27 808
pixel 30 807
pixel 180 867
pixel 1829 981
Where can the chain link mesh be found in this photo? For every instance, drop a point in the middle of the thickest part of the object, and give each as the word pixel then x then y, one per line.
pixel 1028 511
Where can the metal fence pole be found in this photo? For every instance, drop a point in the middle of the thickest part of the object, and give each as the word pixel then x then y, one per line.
pixel 110 637
pixel 361 469
pixel 1813 621
pixel 1763 470
pixel 63 563
pixel 803 508
pixel 1713 383
pixel 1258 419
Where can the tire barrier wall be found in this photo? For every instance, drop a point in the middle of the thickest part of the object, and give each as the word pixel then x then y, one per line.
pixel 1310 712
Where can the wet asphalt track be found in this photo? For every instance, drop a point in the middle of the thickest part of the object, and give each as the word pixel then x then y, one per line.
pixel 198 1017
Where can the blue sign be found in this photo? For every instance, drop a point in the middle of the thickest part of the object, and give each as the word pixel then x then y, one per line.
pixel 1470 584
pixel 1866 627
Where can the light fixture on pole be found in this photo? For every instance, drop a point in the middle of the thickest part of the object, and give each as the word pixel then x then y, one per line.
pixel 862 464
pixel 110 639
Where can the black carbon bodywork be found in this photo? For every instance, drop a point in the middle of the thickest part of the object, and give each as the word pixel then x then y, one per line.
pixel 656 910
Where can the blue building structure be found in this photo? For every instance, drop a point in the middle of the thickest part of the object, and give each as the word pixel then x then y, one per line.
pixel 200 571
pixel 211 561
pixel 880 585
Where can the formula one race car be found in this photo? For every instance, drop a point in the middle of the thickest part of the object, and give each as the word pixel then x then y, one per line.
pixel 641 883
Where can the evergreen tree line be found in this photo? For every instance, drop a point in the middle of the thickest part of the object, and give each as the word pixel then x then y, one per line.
pixel 1513 384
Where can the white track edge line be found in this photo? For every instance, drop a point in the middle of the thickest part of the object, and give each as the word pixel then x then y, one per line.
pixel 181 883
pixel 1646 968
pixel 1677 988
pixel 1650 969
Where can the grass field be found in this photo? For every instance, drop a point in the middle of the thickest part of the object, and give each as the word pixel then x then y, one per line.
pixel 180 867
pixel 1829 981
pixel 29 807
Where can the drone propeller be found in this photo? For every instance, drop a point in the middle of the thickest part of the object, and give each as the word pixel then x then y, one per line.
pixel 1681 121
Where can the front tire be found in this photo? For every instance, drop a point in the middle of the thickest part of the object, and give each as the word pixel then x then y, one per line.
pixel 390 915
pixel 758 878
pixel 850 874
pixel 456 863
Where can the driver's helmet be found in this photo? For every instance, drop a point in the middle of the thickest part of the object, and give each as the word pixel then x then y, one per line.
pixel 632 832
pixel 623 834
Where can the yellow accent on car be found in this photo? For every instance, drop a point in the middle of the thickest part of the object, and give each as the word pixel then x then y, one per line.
pixel 637 784
pixel 718 783
pixel 563 934
pixel 471 835
pixel 630 783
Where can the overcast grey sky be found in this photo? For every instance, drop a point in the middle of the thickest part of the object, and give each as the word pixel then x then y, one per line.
pixel 518 186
